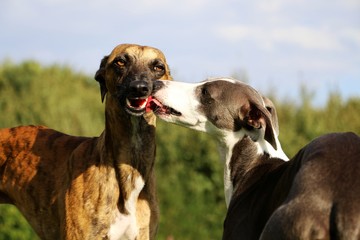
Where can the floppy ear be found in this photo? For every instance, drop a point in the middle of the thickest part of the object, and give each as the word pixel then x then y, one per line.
pixel 100 77
pixel 258 119
pixel 274 119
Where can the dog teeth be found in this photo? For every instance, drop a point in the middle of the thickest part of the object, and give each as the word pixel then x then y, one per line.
pixel 128 103
pixel 141 106
pixel 144 104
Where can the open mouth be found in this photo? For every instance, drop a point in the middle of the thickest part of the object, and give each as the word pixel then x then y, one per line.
pixel 137 106
pixel 160 109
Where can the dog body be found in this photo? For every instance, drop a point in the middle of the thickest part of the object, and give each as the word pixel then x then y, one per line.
pixel 315 195
pixel 71 187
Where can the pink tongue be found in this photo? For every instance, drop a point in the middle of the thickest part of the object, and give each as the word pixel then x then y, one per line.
pixel 152 104
pixel 148 105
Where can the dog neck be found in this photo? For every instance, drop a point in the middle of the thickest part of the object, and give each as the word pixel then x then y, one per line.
pixel 130 152
pixel 130 139
pixel 242 156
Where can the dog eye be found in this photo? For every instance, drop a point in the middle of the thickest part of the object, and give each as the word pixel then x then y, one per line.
pixel 159 68
pixel 206 97
pixel 205 92
pixel 120 62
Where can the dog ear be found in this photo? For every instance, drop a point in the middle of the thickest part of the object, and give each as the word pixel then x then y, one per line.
pixel 274 119
pixel 257 118
pixel 167 75
pixel 100 77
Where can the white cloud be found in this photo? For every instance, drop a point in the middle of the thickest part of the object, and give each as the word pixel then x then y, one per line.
pixel 22 9
pixel 16 11
pixel 272 6
pixel 312 64
pixel 350 3
pixel 307 38
pixel 265 37
pixel 236 32
pixel 352 34
pixel 163 7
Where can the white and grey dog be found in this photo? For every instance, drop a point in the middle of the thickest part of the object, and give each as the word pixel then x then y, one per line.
pixel 228 110
pixel 315 195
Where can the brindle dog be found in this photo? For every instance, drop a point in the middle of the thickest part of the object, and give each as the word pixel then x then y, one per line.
pixel 103 187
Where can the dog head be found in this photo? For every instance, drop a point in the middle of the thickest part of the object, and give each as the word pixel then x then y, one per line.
pixel 128 73
pixel 225 108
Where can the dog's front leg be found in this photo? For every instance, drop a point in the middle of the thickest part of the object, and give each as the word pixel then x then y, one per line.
pixel 147 211
pixel 90 201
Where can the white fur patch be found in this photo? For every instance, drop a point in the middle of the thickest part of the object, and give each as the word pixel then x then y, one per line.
pixel 125 225
pixel 229 140
pixel 227 79
pixel 182 97
pixel 264 146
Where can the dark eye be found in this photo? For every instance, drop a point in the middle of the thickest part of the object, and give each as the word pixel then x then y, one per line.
pixel 204 92
pixel 159 68
pixel 206 97
pixel 120 62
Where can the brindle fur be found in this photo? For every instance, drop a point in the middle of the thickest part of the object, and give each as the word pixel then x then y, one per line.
pixel 69 187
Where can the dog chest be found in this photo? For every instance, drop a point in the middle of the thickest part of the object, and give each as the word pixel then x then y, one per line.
pixel 125 226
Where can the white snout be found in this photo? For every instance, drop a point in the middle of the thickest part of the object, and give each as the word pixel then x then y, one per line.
pixel 182 98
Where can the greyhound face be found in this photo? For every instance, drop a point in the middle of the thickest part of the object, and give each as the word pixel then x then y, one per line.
pixel 225 108
pixel 127 75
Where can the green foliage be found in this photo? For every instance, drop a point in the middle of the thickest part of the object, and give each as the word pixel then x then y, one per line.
pixel 189 176
pixel 301 123
pixel 189 173
pixel 13 225
pixel 54 96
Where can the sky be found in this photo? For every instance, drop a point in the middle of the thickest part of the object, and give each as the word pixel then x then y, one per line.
pixel 277 45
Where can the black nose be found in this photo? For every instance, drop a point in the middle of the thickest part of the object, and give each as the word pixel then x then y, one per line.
pixel 139 88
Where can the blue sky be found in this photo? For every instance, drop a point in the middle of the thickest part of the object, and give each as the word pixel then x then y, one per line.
pixel 277 44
